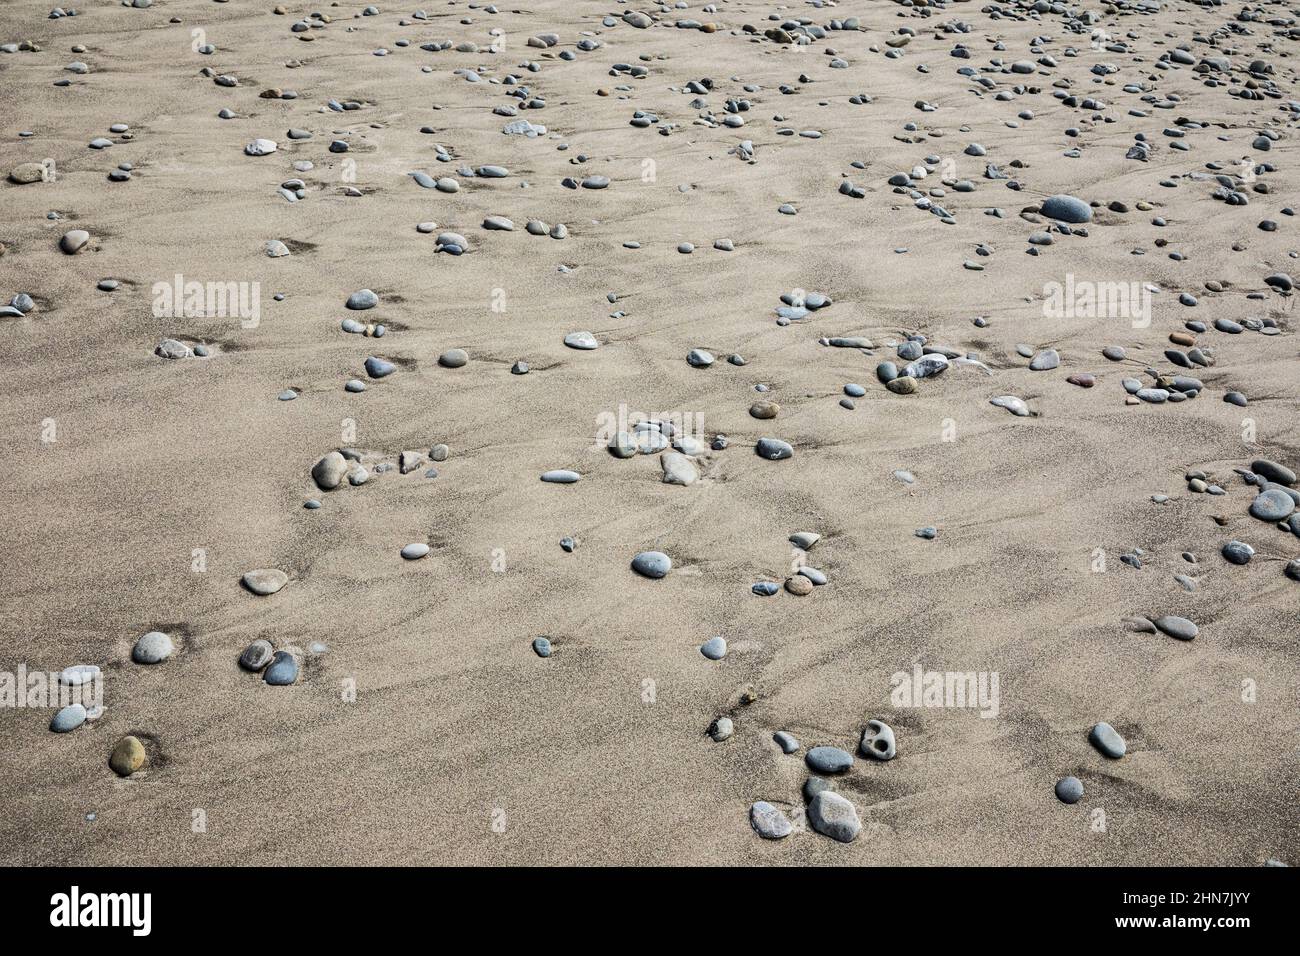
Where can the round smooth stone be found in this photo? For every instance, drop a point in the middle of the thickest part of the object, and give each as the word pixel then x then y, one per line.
pixel 652 564
pixel 453 358
pixel 1178 627
pixel 878 741
pixel 1067 209
pixel 542 647
pixel 829 759
pixel 283 669
pixel 854 391
pixel 153 648
pixel 769 822
pixel 74 240
pixel 715 648
pixel 415 550
pixel 721 729
pixel 69 718
pixel 699 358
pixel 1106 739
pixel 265 581
pixel 560 476
pixel 328 473
pixel 362 299
pixel 799 585
pixel 581 340
pixel 764 410
pixel 1069 790
pixel 833 816
pixel 1238 552
pixel 256 655
pixel 127 757
pixel 1272 505
pixel 774 449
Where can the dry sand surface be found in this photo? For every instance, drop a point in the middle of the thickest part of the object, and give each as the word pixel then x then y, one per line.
pixel 139 488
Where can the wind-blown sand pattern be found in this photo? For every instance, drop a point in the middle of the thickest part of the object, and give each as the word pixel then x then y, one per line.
pixel 849 209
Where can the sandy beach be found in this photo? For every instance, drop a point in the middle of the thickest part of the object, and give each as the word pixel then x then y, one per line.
pixel 909 202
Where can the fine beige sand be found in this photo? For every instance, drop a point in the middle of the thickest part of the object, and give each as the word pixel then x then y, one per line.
pixel 462 746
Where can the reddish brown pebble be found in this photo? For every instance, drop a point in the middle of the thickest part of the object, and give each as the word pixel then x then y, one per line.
pixel 1082 379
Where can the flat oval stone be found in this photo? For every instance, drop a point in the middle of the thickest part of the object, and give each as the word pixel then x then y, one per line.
pixel 1238 552
pixel 415 550
pixel 833 816
pixel 769 822
pixel 774 449
pixel 715 648
pixel 1272 471
pixel 829 759
pixel 652 564
pixel 256 655
pixel 542 647
pixel 362 299
pixel 560 476
pixel 1069 790
pixel 1106 739
pixel 453 358
pixel 69 718
pixel 283 669
pixel 265 580
pixel 878 741
pixel 127 757
pixel 1272 505
pixel 153 648
pixel 379 368
pixel 1178 627
pixel 1069 209
pixel 581 340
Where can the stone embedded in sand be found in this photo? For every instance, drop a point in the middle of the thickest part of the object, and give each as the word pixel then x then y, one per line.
pixel 581 340
pixel 699 358
pixel 265 581
pixel 1069 209
pixel 542 647
pixel 152 648
pixel 415 550
pixel 652 564
pixel 721 729
pixel 330 471
pixel 1237 552
pixel 260 147
pixel 786 742
pixel 833 816
pixel 378 368
pixel 1069 790
pixel 715 648
pixel 1178 627
pixel 769 822
pixel 805 539
pixel 256 655
pixel 1106 739
pixel 1045 361
pixel 361 300
pixel 282 671
pixel 621 445
pixel 903 385
pixel 127 757
pixel 74 240
pixel 774 449
pixel 453 358
pixel 764 410
pixel 829 759
pixel 678 469
pixel 878 741
pixel 1016 406
pixel 25 173
pixel 799 585
pixel 560 476
pixel 275 249
pixel 69 718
